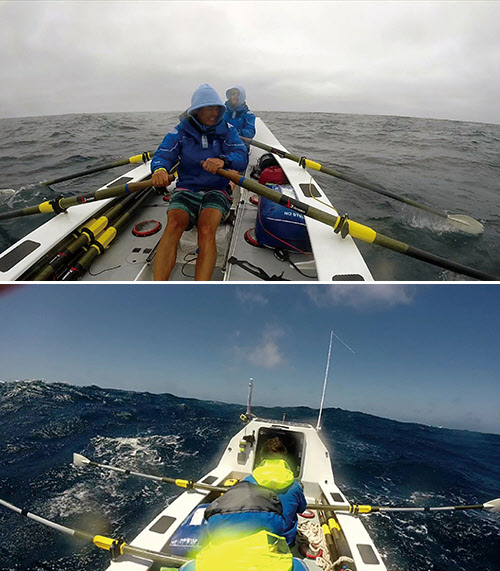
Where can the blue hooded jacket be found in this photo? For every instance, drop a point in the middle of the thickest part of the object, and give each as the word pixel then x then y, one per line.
pixel 192 143
pixel 241 117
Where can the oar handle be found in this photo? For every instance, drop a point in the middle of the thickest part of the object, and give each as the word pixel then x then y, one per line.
pixel 349 227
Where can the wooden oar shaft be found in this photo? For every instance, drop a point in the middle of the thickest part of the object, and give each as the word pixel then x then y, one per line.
pixel 375 187
pixel 352 228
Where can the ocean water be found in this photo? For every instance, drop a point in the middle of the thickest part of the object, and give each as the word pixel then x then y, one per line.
pixel 451 165
pixel 376 461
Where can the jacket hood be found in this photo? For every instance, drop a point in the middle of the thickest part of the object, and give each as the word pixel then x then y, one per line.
pixel 206 96
pixel 274 474
pixel 241 98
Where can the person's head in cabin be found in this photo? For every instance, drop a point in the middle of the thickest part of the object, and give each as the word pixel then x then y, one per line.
pixel 274 449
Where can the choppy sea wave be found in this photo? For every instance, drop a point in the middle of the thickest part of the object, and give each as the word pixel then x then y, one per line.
pixel 376 461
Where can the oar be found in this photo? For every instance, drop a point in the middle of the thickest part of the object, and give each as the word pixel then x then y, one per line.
pixel 102 242
pixel 346 227
pixel 459 221
pixel 142 158
pixel 492 505
pixel 61 204
pixel 92 229
pixel 330 543
pixel 117 547
pixel 79 460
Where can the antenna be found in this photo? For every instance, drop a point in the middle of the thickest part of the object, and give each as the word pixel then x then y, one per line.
pixel 318 425
pixel 249 403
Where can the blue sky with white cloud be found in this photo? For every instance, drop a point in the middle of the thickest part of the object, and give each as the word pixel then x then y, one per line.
pixel 423 353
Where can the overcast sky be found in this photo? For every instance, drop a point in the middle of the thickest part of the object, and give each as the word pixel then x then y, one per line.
pixel 421 59
pixel 426 353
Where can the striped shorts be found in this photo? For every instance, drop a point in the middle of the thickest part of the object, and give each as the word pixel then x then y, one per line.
pixel 194 202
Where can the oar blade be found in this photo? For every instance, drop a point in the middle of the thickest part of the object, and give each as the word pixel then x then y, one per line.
pixel 465 223
pixel 79 460
pixel 493 505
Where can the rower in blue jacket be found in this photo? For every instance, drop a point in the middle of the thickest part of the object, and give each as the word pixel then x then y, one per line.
pixel 273 473
pixel 203 142
pixel 237 112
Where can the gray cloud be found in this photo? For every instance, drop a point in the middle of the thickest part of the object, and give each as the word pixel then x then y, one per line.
pixel 427 59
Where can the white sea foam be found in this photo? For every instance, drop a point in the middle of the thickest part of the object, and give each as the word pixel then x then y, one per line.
pixel 141 450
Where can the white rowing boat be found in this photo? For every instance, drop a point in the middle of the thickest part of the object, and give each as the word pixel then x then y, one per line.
pixel 310 460
pixel 129 255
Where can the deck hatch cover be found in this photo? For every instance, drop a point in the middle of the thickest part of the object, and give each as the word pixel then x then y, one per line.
pixel 17 254
pixel 162 524
pixel 367 554
pixel 209 480
pixel 309 189
pixel 348 278
pixel 337 497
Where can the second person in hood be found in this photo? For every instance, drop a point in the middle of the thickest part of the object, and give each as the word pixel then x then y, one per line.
pixel 237 112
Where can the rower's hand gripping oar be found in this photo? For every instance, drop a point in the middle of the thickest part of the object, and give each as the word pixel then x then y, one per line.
pixel 79 460
pixel 492 506
pixel 142 158
pixel 345 226
pixel 459 221
pixel 116 547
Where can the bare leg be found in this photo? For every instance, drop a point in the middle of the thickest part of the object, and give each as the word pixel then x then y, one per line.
pixel 208 222
pixel 166 255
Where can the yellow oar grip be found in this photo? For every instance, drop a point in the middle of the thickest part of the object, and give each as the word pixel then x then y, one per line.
pixel 326 529
pixel 45 207
pixel 98 226
pixel 181 483
pixel 138 158
pixel 107 236
pixel 103 542
pixel 313 165
pixel 333 524
pixel 361 232
pixel 363 509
